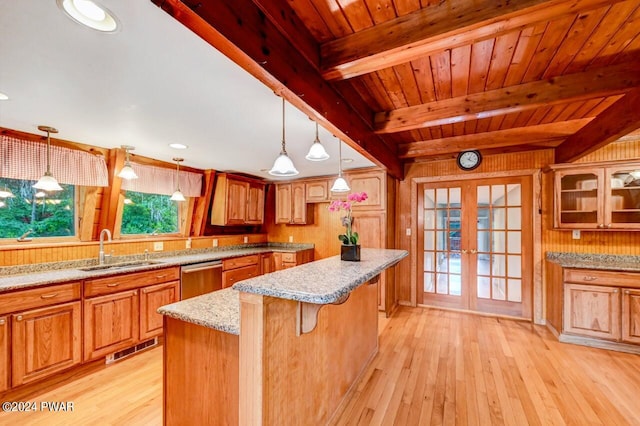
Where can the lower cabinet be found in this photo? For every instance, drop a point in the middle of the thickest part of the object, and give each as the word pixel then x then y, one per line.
pixel 45 341
pixel 284 260
pixel 592 311
pixel 267 263
pixel 111 323
pixel 151 298
pixel 631 316
pixel 5 359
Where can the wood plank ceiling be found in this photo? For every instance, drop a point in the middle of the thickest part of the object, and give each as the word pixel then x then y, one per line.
pixel 413 80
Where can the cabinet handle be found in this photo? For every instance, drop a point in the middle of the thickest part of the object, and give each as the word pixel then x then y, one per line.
pixel 48 296
pixel 601 225
pixel 627 292
pixel 589 278
pixel 160 276
pixel 19 318
pixel 113 285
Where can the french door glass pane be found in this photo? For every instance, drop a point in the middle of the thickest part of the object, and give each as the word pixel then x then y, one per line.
pixel 514 290
pixel 514 242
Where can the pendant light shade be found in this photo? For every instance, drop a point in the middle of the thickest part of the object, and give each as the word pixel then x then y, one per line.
pixel 283 166
pixel 177 194
pixel 127 171
pixel 48 182
pixel 317 151
pixel 340 185
pixel 6 192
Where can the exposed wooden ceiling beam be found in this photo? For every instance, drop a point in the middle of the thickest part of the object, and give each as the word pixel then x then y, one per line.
pixel 620 119
pixel 440 26
pixel 540 134
pixel 599 82
pixel 244 32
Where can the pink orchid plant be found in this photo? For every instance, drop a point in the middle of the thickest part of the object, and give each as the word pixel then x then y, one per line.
pixel 349 237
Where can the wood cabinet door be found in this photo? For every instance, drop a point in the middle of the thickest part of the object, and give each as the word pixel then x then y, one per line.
pixel 151 298
pixel 622 197
pixel 631 315
pixel 237 193
pixel 299 203
pixel 266 263
pixel 111 323
pixel 4 354
pixel 283 203
pixel 373 183
pixel 592 311
pixel 317 191
pixel 371 228
pixel 45 341
pixel 255 204
pixel 579 198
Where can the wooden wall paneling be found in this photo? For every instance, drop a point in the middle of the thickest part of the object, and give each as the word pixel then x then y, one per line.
pixel 87 208
pixel 203 203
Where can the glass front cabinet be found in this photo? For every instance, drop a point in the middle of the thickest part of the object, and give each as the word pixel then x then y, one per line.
pixel 598 197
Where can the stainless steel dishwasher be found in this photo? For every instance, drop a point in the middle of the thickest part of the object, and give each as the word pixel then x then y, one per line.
pixel 200 278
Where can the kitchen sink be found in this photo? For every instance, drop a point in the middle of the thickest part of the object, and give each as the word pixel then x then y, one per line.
pixel 120 265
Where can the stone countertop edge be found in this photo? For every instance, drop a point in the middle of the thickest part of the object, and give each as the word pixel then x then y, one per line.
pixel 35 279
pixel 219 310
pixel 323 281
pixel 605 262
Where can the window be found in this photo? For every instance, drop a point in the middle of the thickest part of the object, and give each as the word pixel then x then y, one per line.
pixel 149 214
pixel 43 214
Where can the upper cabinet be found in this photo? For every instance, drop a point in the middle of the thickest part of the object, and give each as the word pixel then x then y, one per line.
pixel 600 197
pixel 291 204
pixel 237 201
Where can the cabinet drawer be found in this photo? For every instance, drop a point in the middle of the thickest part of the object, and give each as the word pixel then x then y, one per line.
pixel 122 282
pixel 38 297
pixel 609 278
pixel 239 262
pixel 233 276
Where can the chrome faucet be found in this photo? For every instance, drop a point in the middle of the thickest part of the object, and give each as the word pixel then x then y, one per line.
pixel 23 237
pixel 101 252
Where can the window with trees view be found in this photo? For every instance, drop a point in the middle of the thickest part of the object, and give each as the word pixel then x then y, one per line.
pixel 43 214
pixel 149 214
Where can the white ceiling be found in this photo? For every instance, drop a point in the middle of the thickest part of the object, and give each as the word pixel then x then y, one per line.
pixel 152 83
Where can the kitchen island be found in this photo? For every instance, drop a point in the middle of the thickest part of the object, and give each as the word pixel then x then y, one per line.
pixel 282 348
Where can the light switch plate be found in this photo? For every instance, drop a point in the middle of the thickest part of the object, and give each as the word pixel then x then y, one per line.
pixel 408 232
pixel 290 238
pixel 576 234
pixel 158 246
pixel 215 242
pixel 246 240
pixel 188 243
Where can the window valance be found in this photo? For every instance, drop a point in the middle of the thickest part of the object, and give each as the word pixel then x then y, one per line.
pixel 160 180
pixel 27 160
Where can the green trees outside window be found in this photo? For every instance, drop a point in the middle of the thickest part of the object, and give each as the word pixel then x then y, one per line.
pixel 149 214
pixel 46 214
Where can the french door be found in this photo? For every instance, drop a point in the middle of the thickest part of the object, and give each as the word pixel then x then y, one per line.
pixel 475 245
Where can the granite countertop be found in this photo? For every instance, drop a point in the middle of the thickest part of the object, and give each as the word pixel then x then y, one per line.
pixel 324 281
pixel 219 310
pixel 56 272
pixel 604 262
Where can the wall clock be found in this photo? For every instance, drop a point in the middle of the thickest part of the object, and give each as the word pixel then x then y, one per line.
pixel 469 160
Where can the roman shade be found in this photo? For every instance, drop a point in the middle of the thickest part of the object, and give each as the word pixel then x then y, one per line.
pixel 160 180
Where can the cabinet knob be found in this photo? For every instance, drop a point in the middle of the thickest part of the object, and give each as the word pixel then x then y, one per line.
pixel 19 318
pixel 627 292
pixel 609 225
pixel 601 225
pixel 615 291
pixel 2 321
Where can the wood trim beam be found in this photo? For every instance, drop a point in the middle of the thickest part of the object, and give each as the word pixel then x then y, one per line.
pixel 435 28
pixel 598 82
pixel 540 134
pixel 244 33
pixel 620 119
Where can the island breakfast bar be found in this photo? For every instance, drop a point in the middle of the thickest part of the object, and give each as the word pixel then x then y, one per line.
pixel 282 348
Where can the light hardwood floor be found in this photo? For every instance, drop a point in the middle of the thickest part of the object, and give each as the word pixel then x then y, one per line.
pixel 434 367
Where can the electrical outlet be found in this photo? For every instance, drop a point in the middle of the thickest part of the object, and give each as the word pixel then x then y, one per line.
pixel 158 246
pixel 576 234
pixel 246 239
pixel 188 243
pixel 290 238
pixel 215 242
pixel 408 232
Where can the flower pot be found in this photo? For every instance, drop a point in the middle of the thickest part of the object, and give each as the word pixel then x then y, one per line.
pixel 350 252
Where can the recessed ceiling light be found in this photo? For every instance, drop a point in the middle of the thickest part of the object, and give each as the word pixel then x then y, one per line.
pixel 178 146
pixel 3 97
pixel 90 14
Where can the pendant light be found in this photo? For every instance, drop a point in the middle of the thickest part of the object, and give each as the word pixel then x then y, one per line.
pixel 177 195
pixel 48 182
pixel 283 166
pixel 6 192
pixel 340 185
pixel 317 151
pixel 127 171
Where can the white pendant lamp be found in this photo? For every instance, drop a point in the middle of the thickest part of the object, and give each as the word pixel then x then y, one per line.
pixel 317 151
pixel 127 171
pixel 340 185
pixel 47 182
pixel 6 192
pixel 283 166
pixel 177 195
